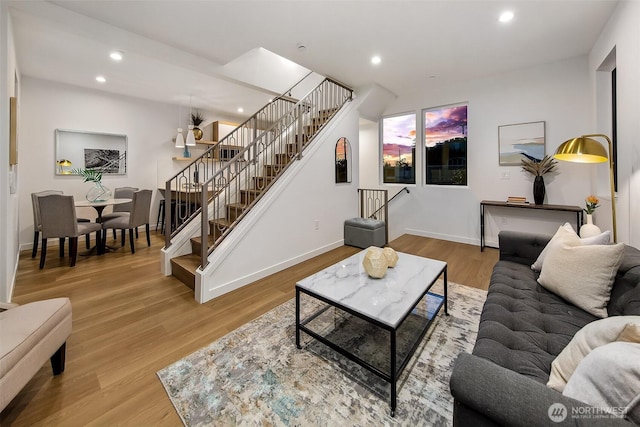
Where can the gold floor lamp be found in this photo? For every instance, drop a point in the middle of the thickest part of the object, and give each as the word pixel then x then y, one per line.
pixel 584 149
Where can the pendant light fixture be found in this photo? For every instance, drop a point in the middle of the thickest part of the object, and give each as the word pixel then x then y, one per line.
pixel 191 138
pixel 179 137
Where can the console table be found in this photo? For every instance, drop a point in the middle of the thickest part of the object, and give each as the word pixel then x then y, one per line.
pixel 562 208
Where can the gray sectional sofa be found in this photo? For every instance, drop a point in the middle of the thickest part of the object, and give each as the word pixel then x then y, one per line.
pixel 523 327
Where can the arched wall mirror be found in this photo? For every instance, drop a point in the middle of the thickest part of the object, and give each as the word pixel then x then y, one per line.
pixel 343 160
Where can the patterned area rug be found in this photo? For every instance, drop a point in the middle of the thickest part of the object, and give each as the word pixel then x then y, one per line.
pixel 255 375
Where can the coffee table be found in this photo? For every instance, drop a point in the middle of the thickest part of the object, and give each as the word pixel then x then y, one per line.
pixel 386 304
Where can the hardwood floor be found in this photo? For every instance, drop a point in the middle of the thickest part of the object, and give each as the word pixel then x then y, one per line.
pixel 129 321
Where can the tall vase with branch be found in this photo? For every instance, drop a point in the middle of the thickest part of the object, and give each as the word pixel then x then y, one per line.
pixel 538 168
pixel 98 192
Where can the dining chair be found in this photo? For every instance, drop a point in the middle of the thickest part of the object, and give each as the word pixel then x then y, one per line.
pixel 139 215
pixel 37 225
pixel 121 209
pixel 58 219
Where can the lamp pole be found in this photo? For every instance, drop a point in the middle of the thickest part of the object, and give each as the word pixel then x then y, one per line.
pixel 611 182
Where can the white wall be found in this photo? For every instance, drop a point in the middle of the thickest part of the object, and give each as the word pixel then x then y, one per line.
pixel 8 183
pixel 149 126
pixel 556 93
pixel 622 33
pixel 281 231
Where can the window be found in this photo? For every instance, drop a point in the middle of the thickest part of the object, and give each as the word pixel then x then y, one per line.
pixel 399 148
pixel 343 160
pixel 445 140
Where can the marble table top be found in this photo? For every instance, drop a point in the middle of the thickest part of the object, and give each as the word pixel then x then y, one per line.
pixel 386 300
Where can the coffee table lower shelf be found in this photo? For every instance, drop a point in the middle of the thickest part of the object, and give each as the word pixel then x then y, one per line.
pixel 400 348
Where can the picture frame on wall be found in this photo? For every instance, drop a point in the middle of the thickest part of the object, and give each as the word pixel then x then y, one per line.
pixel 521 140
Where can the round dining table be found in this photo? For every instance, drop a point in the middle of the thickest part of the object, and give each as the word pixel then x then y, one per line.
pixel 99 207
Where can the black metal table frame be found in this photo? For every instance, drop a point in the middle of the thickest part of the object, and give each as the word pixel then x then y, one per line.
pixel 556 208
pixel 391 378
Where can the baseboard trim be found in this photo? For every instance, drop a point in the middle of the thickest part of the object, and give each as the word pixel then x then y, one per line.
pixel 449 237
pixel 224 288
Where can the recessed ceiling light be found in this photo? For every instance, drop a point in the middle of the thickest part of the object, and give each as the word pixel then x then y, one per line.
pixel 240 110
pixel 376 60
pixel 116 56
pixel 101 79
pixel 506 16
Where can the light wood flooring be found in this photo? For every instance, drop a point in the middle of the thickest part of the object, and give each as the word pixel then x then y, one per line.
pixel 129 321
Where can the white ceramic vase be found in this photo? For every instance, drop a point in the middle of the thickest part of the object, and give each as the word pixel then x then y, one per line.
pixel 589 229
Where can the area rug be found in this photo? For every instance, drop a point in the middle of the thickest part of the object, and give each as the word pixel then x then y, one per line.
pixel 255 375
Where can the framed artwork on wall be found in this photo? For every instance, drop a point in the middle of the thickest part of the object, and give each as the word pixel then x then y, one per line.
pixel 521 140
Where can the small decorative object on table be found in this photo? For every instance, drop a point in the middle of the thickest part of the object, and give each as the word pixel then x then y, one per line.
pixel 99 192
pixel 590 229
pixel 196 120
pixel 375 262
pixel 391 255
pixel 538 168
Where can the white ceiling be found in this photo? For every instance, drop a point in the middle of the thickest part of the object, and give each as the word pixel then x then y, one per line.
pixel 207 51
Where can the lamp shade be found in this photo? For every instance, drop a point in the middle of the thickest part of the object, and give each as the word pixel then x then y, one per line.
pixel 179 139
pixel 191 138
pixel 581 150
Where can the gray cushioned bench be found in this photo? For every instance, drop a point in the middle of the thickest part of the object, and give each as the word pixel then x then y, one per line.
pixel 365 232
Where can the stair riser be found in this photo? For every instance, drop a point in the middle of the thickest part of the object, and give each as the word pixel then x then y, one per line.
pixel 247 197
pixel 260 182
pixel 185 276
pixel 272 171
pixel 283 159
pixel 233 213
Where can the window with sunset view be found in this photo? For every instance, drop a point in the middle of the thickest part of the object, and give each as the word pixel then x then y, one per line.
pixel 399 148
pixel 445 140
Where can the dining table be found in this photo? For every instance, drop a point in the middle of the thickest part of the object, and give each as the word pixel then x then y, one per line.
pixel 99 206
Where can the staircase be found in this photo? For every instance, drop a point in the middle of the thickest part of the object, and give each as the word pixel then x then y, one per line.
pixel 232 188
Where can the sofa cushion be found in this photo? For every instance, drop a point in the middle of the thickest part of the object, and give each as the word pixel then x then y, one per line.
pixel 625 293
pixel 592 336
pixel 600 239
pixel 580 274
pixel 523 327
pixel 614 389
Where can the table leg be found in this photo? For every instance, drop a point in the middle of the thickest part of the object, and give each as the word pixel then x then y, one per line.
pixel 446 300
pixel 481 227
pixel 298 319
pixel 393 371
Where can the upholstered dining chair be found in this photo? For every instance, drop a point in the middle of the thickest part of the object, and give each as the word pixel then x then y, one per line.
pixel 37 225
pixel 139 215
pixel 121 209
pixel 58 219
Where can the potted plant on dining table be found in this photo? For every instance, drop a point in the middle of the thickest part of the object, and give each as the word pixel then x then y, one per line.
pixel 98 192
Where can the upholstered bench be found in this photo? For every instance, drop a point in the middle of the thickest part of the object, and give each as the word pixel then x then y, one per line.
pixel 365 232
pixel 29 335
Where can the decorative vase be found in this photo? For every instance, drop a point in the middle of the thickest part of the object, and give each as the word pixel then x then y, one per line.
pixel 98 193
pixel 589 229
pixel 538 190
pixel 197 133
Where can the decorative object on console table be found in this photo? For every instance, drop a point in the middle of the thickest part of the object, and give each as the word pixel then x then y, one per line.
pixel 590 229
pixel 538 168
pixel 196 120
pixel 97 193
pixel 584 149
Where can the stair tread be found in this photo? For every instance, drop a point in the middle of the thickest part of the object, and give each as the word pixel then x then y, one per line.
pixel 189 262
pixel 222 221
pixel 237 205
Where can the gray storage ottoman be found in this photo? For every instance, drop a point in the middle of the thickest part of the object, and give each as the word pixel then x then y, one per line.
pixel 364 232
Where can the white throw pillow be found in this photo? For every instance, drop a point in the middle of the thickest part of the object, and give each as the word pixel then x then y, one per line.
pixel 582 275
pixel 600 239
pixel 609 379
pixel 590 337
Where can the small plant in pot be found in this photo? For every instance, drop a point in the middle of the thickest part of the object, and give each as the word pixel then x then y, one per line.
pixel 196 120
pixel 538 168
